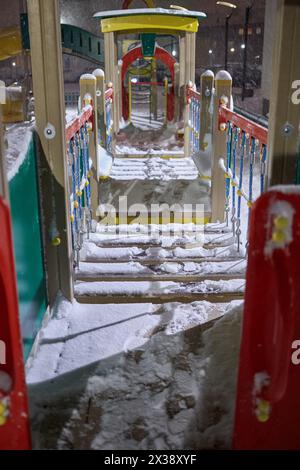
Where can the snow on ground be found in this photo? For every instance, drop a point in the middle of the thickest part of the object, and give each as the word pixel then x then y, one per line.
pixel 17 137
pixel 104 162
pixel 136 377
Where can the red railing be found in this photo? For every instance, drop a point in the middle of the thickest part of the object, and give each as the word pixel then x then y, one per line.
pixel 76 124
pixel 254 130
pixel 109 93
pixel 191 93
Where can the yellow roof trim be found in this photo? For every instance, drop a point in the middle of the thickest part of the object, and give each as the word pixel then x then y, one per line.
pixel 144 23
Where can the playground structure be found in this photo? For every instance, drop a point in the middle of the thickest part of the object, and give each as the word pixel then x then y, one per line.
pixel 71 156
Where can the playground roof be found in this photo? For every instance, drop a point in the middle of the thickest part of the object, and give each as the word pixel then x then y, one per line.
pixel 149 20
pixel 149 11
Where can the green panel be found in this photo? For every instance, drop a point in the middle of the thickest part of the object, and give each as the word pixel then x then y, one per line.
pixel 25 31
pixel 28 248
pixel 148 44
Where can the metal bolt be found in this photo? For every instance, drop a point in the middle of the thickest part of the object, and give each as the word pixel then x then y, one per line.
pixel 287 130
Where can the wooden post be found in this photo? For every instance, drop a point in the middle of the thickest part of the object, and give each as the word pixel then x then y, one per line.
pixel 119 102
pixel 223 86
pixel 192 37
pixel 154 88
pixel 186 115
pixel 111 72
pixel 188 64
pixel 206 90
pixel 182 75
pixel 100 93
pixel 176 92
pixel 46 59
pixel 88 87
pixel 129 98
pixel 284 105
pixel 166 87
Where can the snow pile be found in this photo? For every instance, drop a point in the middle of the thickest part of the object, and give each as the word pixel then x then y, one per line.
pixel 18 137
pixel 90 251
pixel 104 162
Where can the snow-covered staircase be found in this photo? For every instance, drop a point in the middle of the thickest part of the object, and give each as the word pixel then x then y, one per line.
pixel 136 267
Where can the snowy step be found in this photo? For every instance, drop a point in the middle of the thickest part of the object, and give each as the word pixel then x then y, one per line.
pixel 168 230
pixel 172 271
pixel 147 241
pixel 159 292
pixel 90 252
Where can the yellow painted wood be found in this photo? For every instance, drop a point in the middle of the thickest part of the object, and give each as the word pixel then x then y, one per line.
pixel 144 23
pixel 10 43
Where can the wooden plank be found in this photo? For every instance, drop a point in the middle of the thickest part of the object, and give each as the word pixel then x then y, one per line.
pixel 159 299
pixel 47 71
pixel 186 245
pixel 283 147
pixel 158 261
pixel 158 277
pixel 223 85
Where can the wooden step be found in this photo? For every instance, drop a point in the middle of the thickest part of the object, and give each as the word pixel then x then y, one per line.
pixel 161 299
pixel 159 292
pixel 145 246
pixel 156 277
pixel 158 261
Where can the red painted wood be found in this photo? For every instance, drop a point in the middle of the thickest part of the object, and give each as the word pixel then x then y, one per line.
pixel 271 323
pixel 109 93
pixel 253 129
pixel 14 434
pixel 192 93
pixel 137 53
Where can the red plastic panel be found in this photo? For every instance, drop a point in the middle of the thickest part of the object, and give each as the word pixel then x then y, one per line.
pixel 14 420
pixel 268 395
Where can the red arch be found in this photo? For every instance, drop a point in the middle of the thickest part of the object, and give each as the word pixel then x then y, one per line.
pixel 160 54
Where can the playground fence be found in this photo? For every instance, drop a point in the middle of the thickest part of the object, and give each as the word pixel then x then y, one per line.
pixel 109 117
pixel 244 167
pixel 80 166
pixel 194 102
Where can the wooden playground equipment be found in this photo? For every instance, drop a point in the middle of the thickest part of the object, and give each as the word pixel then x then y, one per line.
pixel 70 166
